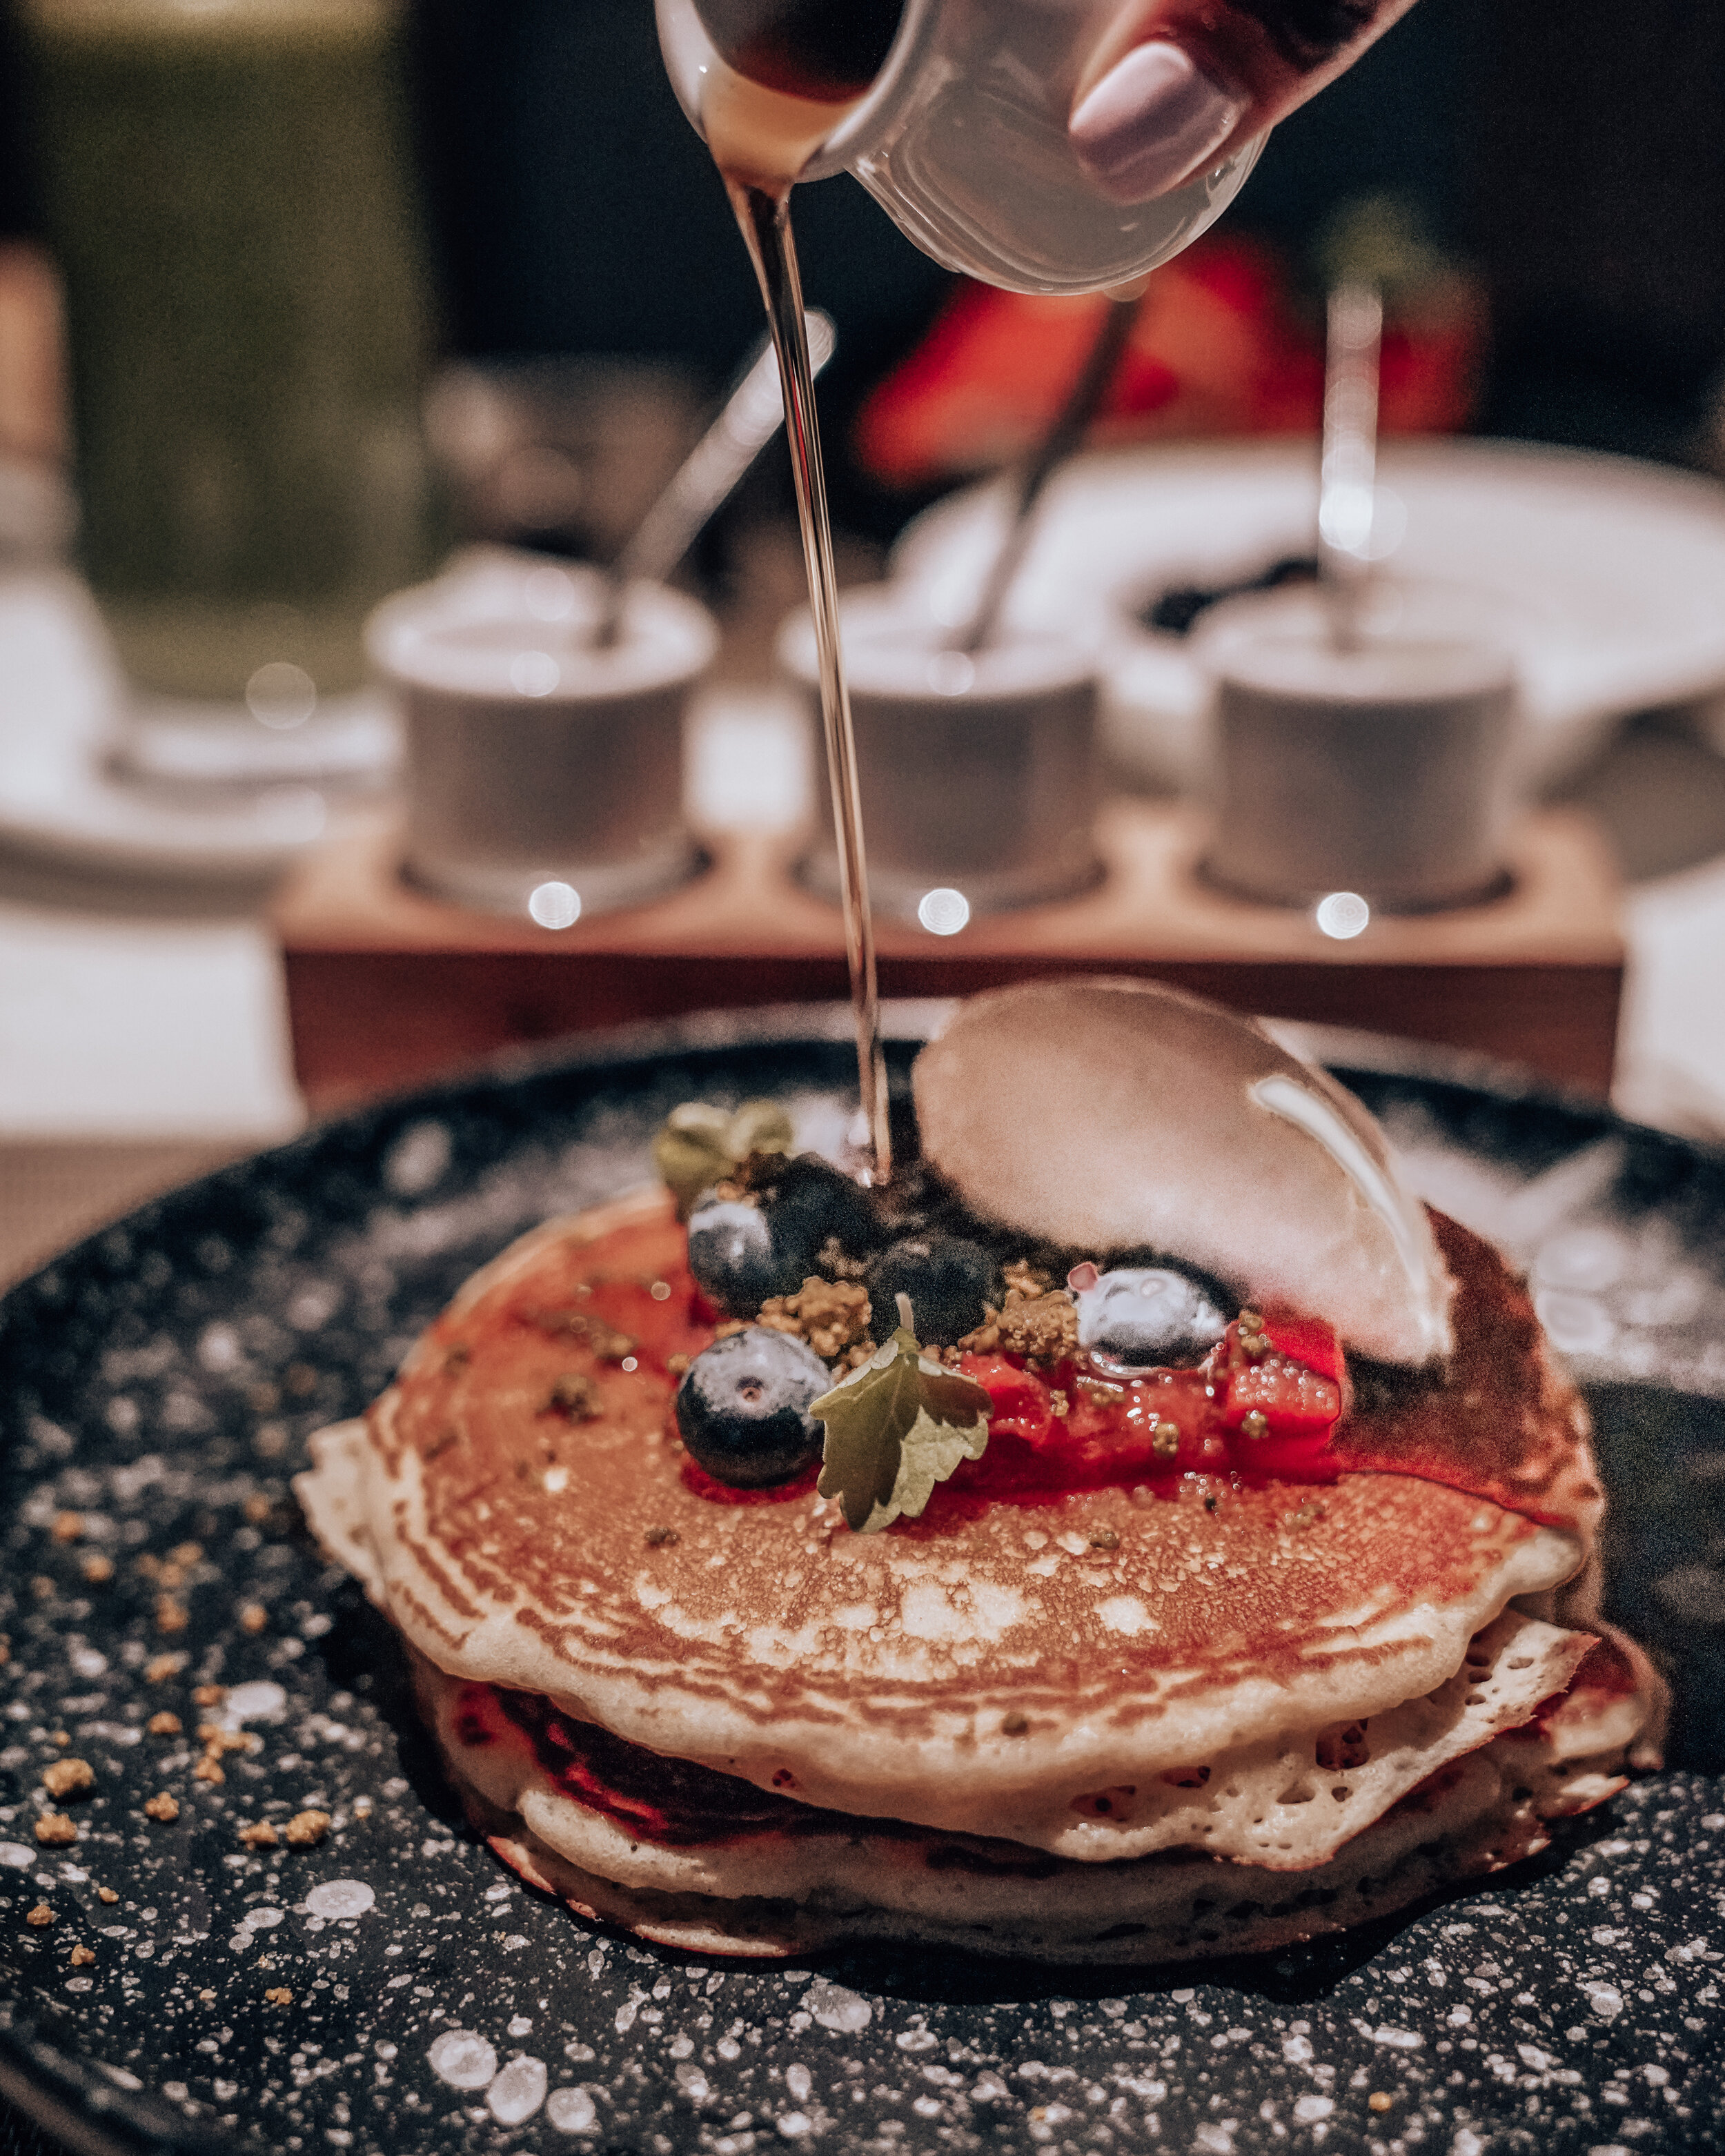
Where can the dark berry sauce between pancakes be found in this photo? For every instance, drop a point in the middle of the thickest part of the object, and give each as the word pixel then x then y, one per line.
pixel 672 1802
pixel 675 1803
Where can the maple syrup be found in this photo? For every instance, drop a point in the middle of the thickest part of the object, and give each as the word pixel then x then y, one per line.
pixel 785 73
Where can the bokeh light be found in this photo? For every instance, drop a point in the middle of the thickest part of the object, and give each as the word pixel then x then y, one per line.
pixel 555 905
pixel 944 912
pixel 1344 914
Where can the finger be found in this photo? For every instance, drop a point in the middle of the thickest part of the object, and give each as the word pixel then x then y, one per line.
pixel 1180 85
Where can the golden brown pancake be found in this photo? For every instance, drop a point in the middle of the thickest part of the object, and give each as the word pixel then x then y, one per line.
pixel 1123 1635
pixel 778 1889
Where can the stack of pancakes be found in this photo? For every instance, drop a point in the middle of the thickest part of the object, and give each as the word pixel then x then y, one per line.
pixel 1124 1724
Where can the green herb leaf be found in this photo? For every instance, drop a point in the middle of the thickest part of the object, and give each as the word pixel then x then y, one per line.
pixel 894 1428
pixel 699 1145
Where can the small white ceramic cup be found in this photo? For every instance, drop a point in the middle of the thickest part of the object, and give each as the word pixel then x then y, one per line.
pixel 1383 770
pixel 544 773
pixel 980 774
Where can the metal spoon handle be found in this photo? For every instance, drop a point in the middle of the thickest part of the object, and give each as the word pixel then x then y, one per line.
pixel 1348 475
pixel 751 415
pixel 1069 426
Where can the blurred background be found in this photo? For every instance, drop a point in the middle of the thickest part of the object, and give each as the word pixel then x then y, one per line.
pixel 1556 187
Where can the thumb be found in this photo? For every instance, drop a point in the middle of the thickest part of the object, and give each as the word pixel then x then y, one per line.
pixel 1178 85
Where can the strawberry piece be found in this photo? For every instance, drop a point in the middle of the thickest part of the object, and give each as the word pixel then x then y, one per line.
pixel 1148 1429
pixel 1279 1388
pixel 1020 1405
pixel 1294 1401
pixel 1308 1341
pixel 1074 1433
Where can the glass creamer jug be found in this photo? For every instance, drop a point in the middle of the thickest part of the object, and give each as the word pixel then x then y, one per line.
pixel 955 115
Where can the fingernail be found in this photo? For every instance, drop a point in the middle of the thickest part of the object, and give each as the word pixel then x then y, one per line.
pixel 1153 119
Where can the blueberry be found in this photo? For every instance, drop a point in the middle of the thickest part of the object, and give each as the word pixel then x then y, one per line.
pixel 734 1256
pixel 949 1281
pixel 743 1408
pixel 822 1201
pixel 742 1250
pixel 1146 1318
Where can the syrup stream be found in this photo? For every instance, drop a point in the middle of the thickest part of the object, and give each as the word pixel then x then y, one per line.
pixel 765 216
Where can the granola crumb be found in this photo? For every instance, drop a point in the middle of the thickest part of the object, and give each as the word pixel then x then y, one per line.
pixel 68 1527
pixel 257 1509
pixel 164 1724
pixel 160 1667
pixel 55 1828
pixel 830 1315
pixel 68 1777
pixel 306 1829
pixel 252 1617
pixel 278 1994
pixel 1378 2101
pixel 362 1808
pixel 163 1807
pixel 171 1616
pixel 662 1537
pixel 1105 1538
pixel 106 1894
pixel 260 1835
pixel 82 1957
pixel 97 1570
pixel 1014 1722
pixel 209 1695
pixel 207 1770
pixel 216 1740
pixel 186 1555
pixel 676 1364
pixel 42 1588
pixel 5 1650
pixel 59 1737
pixel 1042 1328
pixel 205 1999
pixel 1024 1279
pixel 39 1915
pixel 575 1396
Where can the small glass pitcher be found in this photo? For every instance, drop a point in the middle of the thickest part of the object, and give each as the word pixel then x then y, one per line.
pixel 955 115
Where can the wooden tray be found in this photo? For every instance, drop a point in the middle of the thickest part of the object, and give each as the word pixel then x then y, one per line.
pixel 387 987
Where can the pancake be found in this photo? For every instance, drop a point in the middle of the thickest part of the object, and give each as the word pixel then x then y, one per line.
pixel 781 1889
pixel 1075 1722
pixel 875 1674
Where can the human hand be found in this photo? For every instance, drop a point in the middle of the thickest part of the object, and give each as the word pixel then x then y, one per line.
pixel 1178 85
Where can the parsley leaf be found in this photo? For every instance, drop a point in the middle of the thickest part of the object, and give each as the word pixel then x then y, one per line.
pixel 894 1428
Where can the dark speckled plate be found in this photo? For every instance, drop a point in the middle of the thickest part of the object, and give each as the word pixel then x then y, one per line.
pixel 160 1383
